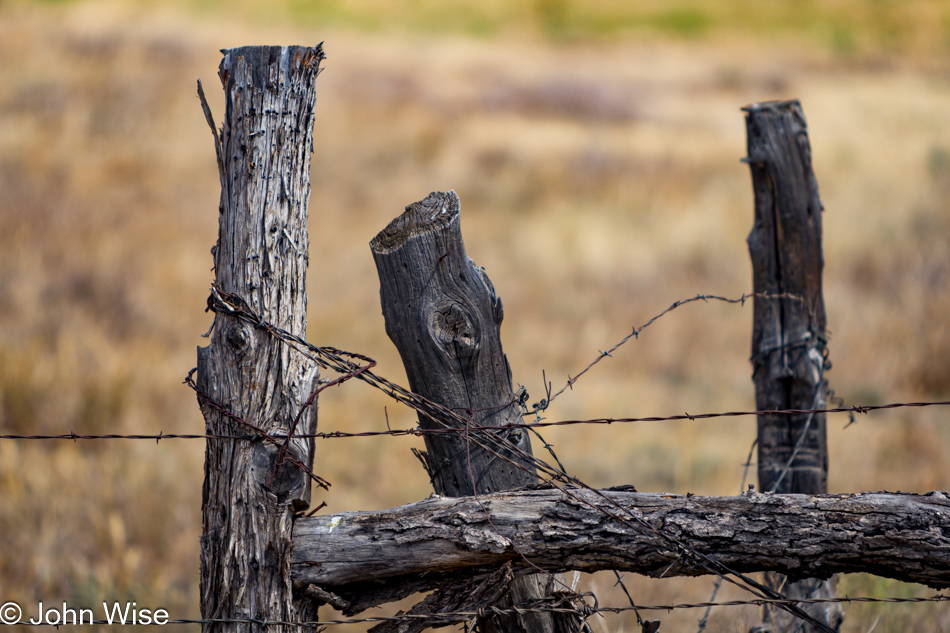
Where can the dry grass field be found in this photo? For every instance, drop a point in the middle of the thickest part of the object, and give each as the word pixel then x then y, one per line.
pixel 595 147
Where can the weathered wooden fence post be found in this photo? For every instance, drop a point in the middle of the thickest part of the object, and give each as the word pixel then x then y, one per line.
pixel 444 317
pixel 261 256
pixel 788 332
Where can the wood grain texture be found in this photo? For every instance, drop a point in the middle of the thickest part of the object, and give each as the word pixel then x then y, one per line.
pixel 896 535
pixel 444 317
pixel 261 255
pixel 788 334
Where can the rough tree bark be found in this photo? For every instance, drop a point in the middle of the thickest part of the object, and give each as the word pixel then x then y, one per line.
pixel 261 255
pixel 444 317
pixel 897 535
pixel 788 333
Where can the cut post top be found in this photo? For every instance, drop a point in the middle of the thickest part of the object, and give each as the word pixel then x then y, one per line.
pixel 260 59
pixel 778 104
pixel 438 210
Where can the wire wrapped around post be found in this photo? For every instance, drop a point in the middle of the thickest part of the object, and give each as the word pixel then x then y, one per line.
pixel 258 382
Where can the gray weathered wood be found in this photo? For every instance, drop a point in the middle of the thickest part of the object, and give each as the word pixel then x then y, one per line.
pixel 896 535
pixel 261 255
pixel 788 339
pixel 444 317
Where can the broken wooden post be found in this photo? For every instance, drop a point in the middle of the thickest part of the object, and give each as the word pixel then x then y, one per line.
pixel 248 500
pixel 444 317
pixel 788 332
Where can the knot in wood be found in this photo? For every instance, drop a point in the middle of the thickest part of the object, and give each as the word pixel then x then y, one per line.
pixel 285 480
pixel 239 337
pixel 454 330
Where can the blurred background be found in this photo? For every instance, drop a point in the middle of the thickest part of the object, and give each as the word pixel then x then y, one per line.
pixel 595 146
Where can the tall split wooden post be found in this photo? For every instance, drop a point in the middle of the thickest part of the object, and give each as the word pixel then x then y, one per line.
pixel 788 334
pixel 261 256
pixel 444 317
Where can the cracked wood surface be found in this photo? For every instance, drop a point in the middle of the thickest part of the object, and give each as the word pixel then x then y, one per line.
pixel 444 317
pixel 896 535
pixel 263 154
pixel 789 352
pixel 788 333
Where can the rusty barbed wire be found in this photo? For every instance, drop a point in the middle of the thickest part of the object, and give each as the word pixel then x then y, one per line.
pixel 332 358
pixel 338 360
pixel 718 584
pixel 221 302
pixel 763 602
pixel 635 334
pixel 235 306
pixel 637 523
pixel 335 359
pixel 864 409
pixel 114 436
pixel 819 388
pixel 293 459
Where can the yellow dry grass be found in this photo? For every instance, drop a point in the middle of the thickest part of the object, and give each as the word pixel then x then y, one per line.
pixel 598 168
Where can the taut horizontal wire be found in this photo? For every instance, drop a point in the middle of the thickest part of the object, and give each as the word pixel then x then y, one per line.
pixel 473 427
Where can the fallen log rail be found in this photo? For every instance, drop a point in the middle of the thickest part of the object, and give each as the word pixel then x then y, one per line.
pixel 898 535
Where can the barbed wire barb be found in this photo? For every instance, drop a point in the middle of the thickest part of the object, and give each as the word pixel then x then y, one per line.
pixel 635 333
pixel 415 431
pixel 494 440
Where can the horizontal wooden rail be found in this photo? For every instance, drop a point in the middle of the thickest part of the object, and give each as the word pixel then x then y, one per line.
pixel 897 535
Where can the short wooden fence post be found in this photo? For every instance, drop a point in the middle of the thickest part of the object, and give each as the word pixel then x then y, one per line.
pixel 444 317
pixel 788 333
